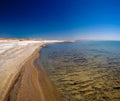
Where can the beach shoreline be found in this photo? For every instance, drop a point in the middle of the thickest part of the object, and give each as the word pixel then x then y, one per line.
pixel 25 84
pixel 20 73
pixel 37 90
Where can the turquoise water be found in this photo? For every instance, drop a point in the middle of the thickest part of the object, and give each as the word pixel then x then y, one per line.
pixel 84 71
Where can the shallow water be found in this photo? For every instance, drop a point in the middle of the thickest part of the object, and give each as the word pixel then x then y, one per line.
pixel 84 71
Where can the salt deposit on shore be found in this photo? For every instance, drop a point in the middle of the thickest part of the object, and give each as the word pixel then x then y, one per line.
pixel 13 54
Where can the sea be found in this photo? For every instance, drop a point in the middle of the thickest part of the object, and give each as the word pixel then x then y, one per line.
pixel 85 70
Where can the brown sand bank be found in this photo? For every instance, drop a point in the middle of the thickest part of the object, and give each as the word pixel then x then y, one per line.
pixel 33 84
pixel 13 75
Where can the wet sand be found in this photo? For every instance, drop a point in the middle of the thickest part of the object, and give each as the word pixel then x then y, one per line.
pixel 33 84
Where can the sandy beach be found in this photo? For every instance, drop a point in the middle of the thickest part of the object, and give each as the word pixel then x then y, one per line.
pixel 19 79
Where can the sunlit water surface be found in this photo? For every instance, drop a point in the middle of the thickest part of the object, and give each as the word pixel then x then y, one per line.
pixel 84 71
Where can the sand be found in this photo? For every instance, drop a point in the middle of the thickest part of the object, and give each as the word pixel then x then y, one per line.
pixel 19 79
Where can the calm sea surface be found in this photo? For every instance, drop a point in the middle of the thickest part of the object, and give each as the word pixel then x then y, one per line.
pixel 84 71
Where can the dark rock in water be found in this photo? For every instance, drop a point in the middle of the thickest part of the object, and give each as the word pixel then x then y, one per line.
pixel 116 87
pixel 43 46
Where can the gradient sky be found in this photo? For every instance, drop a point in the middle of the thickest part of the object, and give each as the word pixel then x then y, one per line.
pixel 60 19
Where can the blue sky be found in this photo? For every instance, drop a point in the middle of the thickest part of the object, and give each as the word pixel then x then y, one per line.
pixel 60 19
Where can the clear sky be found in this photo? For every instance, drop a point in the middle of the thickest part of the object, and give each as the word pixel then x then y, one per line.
pixel 60 19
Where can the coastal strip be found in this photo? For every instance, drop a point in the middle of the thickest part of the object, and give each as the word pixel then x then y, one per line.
pixel 20 80
pixel 33 84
